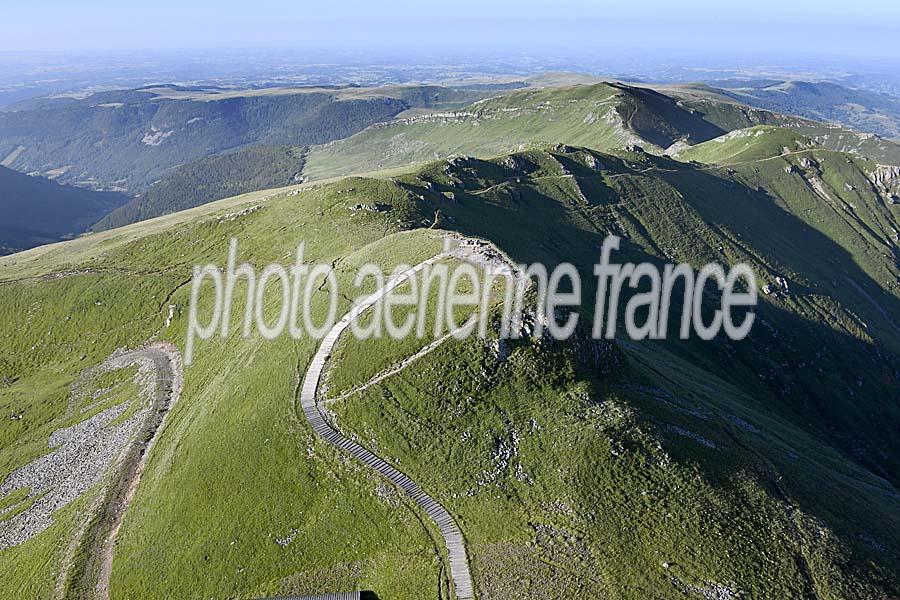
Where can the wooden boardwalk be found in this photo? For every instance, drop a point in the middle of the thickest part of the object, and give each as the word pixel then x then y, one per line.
pixel 332 596
pixel 456 550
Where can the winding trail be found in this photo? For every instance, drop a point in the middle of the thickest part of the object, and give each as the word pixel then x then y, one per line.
pixel 98 541
pixel 456 550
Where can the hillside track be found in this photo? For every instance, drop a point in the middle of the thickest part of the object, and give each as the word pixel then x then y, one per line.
pixel 92 580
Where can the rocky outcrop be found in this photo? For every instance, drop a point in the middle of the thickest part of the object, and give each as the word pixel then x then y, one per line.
pixel 885 175
pixel 677 148
pixel 511 163
pixel 591 162
pixel 808 163
pixel 373 207
pixel 886 179
pixel 82 454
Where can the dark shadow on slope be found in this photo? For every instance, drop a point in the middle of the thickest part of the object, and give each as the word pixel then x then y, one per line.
pixel 661 120
pixel 836 387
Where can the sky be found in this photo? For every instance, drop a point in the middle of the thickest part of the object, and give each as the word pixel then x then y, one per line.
pixel 832 27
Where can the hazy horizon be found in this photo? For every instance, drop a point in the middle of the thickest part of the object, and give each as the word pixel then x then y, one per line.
pixel 768 27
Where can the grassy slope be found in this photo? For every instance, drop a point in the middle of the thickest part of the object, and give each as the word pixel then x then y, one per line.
pixel 719 108
pixel 605 464
pixel 601 116
pixel 236 467
pixel 860 144
pixel 277 482
pixel 209 179
pixel 829 191
pixel 747 145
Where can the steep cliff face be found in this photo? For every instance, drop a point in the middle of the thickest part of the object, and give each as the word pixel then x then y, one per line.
pixel 886 179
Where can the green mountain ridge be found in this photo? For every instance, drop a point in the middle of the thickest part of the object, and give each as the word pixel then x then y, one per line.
pixel 423 123
pixel 827 125
pixel 603 116
pixel 210 179
pixel 748 145
pixel 762 468
pixel 126 140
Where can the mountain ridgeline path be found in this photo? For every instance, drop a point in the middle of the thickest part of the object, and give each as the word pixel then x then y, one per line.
pixel 456 550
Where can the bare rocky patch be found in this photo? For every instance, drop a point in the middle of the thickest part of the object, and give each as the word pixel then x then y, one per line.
pixel 108 448
pixel 81 456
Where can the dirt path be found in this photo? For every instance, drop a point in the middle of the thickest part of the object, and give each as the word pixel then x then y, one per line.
pixel 105 450
pixel 92 575
pixel 465 329
pixel 453 539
